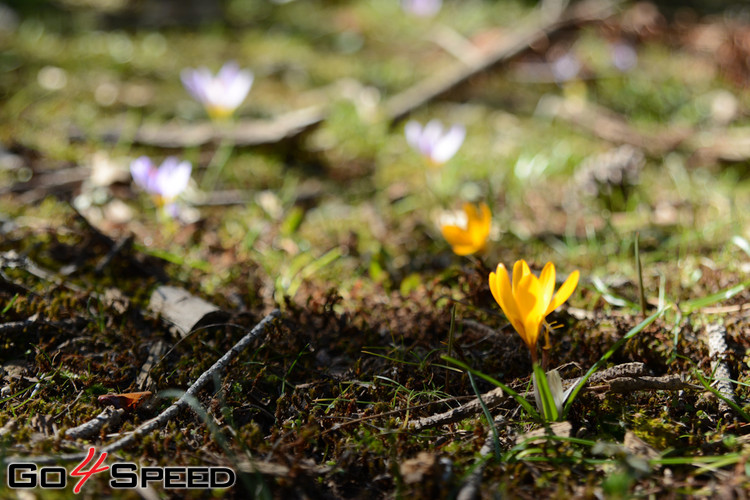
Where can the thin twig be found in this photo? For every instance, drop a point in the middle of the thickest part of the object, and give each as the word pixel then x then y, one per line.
pixel 110 416
pixel 244 133
pixel 626 377
pixel 492 399
pixel 665 383
pixel 161 420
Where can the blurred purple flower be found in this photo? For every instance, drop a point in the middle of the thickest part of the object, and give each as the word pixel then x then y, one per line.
pixel 164 182
pixel 624 56
pixel 565 67
pixel 220 94
pixel 422 8
pixel 437 146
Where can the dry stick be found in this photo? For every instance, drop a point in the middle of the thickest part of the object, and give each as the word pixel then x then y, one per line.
pixel 717 346
pixel 613 127
pixel 110 416
pixel 627 376
pixel 665 383
pixel 726 144
pixel 492 399
pixel 160 420
pixel 243 133
pixel 400 105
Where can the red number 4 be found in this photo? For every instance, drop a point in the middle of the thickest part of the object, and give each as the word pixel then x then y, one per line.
pixel 85 475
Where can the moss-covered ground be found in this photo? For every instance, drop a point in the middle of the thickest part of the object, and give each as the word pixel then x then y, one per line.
pixel 337 226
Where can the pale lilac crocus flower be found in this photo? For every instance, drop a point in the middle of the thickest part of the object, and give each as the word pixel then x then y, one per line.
pixel 437 146
pixel 624 57
pixel 565 67
pixel 422 8
pixel 165 182
pixel 222 94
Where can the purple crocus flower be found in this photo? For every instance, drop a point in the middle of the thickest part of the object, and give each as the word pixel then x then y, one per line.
pixel 565 67
pixel 220 94
pixel 422 8
pixel 164 182
pixel 624 56
pixel 437 146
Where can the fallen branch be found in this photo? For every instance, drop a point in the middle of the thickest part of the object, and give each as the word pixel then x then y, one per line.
pixel 707 147
pixel 243 133
pixel 161 420
pixel 402 104
pixel 110 416
pixel 664 383
pixel 626 377
pixel 612 127
pixel 492 399
pixel 280 470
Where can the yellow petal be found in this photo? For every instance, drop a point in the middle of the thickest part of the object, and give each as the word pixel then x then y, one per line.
pixel 547 280
pixel 520 269
pixel 480 227
pixel 503 294
pixel 455 235
pixel 471 214
pixel 564 293
pixel 531 307
pixel 466 249
pixel 532 326
pixel 494 288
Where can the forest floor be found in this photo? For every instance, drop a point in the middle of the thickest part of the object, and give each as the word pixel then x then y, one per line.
pixel 303 322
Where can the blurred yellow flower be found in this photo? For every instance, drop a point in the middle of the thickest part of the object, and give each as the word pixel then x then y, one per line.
pixel 530 299
pixel 469 235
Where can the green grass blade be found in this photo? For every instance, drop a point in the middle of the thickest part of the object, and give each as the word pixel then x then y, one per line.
pixel 548 401
pixel 691 305
pixel 707 385
pixel 488 416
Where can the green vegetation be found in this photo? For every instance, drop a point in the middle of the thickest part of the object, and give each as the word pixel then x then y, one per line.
pixel 337 225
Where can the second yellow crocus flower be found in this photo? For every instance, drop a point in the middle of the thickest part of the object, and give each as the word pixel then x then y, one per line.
pixel 527 302
pixel 470 237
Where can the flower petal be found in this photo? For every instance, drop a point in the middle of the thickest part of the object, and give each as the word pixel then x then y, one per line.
pixel 504 296
pixel 564 293
pixel 520 269
pixel 173 177
pixel 237 89
pixel 455 235
pixel 448 145
pixel 531 307
pixel 479 228
pixel 430 136
pixel 141 169
pixel 547 280
pixel 413 131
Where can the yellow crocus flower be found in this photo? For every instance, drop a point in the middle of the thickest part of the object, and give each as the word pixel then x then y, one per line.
pixel 528 301
pixel 470 237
